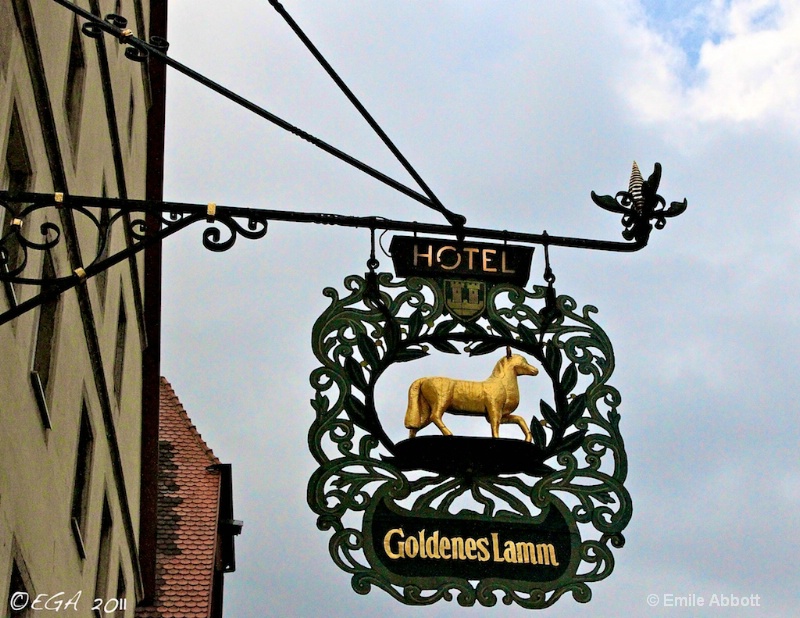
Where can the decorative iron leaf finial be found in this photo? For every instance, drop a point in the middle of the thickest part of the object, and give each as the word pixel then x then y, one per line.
pixel 640 206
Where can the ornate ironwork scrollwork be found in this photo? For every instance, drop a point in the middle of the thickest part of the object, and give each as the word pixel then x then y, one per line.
pixel 641 207
pixel 160 43
pixel 118 21
pixel 212 236
pixel 117 26
pixel 92 30
pixel 23 236
pixel 579 451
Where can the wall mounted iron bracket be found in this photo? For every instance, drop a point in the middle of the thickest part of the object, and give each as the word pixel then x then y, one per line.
pixel 148 222
pixel 641 207
pixel 139 50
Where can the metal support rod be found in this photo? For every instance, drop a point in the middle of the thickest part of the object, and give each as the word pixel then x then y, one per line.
pixel 55 287
pixel 148 49
pixel 454 219
pixel 369 222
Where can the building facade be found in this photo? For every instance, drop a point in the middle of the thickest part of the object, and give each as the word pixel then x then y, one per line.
pixel 195 520
pixel 79 374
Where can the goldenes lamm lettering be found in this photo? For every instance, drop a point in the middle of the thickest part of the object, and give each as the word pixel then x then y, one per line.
pixel 439 547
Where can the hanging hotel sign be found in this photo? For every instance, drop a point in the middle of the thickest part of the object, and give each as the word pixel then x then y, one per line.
pixel 529 509
pixel 437 258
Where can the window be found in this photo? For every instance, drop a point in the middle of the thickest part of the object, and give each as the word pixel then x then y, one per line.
pixel 131 118
pixel 73 92
pixel 80 489
pixel 103 556
pixel 16 589
pixel 17 176
pixel 103 243
pixel 45 343
pixel 122 592
pixel 18 164
pixel 119 354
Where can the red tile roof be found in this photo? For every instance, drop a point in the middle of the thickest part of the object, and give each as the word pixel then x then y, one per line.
pixel 188 504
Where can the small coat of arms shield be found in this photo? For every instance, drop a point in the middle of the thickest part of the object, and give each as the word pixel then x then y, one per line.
pixel 465 298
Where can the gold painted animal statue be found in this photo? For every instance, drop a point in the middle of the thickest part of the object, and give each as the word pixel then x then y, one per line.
pixel 497 397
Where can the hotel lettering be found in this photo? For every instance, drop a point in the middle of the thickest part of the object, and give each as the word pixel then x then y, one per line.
pixel 441 258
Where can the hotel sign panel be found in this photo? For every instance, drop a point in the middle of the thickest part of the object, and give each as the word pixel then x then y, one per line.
pixel 438 258
pixel 471 518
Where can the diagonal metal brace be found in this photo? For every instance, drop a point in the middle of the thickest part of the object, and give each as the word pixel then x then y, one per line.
pixel 139 50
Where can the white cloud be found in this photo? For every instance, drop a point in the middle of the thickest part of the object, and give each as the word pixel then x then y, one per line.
pixel 511 115
pixel 748 69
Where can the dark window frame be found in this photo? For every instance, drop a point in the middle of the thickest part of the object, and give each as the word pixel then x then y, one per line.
pixel 103 556
pixel 75 85
pixel 18 166
pixel 119 351
pixel 103 247
pixel 44 347
pixel 82 480
pixel 19 581
pixel 131 118
pixel 122 591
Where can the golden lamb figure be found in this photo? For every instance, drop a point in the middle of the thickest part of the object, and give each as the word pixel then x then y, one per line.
pixel 496 398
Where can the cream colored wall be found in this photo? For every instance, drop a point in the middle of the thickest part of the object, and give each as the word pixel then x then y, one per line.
pixel 37 465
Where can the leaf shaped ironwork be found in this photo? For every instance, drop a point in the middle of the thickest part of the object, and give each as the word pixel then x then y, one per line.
pixel 367 329
pixel 641 207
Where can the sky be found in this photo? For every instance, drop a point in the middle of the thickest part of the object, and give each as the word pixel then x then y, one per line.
pixel 513 113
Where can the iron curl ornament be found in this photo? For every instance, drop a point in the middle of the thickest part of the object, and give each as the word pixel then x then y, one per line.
pixel 374 493
pixel 24 236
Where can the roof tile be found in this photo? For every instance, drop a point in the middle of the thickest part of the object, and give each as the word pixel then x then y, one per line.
pixel 188 503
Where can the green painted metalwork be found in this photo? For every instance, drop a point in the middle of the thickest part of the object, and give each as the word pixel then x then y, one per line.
pixel 380 321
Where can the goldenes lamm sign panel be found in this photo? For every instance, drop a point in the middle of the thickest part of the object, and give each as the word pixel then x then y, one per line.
pixel 434 515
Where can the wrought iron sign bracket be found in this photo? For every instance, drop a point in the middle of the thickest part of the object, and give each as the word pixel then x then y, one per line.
pixel 641 207
pixel 139 50
pixel 527 520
